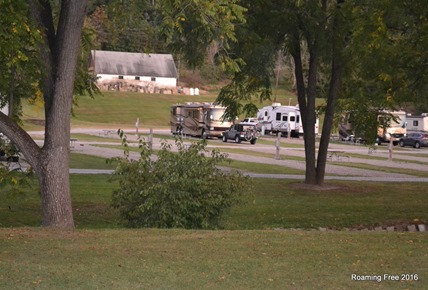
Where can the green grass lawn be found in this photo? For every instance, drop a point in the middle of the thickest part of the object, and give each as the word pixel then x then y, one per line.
pixel 180 259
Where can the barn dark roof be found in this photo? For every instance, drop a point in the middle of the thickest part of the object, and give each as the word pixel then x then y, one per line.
pixel 135 64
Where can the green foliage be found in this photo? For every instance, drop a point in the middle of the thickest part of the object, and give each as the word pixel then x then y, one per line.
pixel 18 56
pixel 182 189
pixel 13 180
pixel 190 26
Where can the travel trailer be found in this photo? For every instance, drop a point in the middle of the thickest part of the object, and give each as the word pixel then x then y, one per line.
pixel 198 119
pixel 391 126
pixel 417 123
pixel 282 120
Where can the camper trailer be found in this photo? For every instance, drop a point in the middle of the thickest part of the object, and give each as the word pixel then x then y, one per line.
pixel 198 119
pixel 282 120
pixel 417 123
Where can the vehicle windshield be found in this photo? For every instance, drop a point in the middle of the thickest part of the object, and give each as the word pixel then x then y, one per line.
pixel 396 120
pixel 216 114
pixel 400 121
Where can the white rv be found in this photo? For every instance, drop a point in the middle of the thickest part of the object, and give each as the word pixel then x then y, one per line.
pixel 417 123
pixel 198 119
pixel 392 126
pixel 282 120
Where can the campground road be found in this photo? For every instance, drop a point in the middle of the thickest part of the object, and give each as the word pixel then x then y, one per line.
pixel 357 163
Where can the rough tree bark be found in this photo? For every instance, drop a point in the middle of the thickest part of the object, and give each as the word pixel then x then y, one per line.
pixel 334 87
pixel 59 54
pixel 315 166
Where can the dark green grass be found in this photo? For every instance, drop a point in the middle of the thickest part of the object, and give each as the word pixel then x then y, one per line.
pixel 272 203
pixel 91 195
pixel 84 161
pixel 289 204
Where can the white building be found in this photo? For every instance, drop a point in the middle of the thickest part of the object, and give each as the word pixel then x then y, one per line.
pixel 144 70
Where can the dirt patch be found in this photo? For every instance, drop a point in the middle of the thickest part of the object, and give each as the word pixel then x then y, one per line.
pixel 317 188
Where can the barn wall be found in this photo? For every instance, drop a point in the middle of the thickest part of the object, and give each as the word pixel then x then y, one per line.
pixel 160 81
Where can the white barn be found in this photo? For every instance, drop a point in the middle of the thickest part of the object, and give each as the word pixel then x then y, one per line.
pixel 135 69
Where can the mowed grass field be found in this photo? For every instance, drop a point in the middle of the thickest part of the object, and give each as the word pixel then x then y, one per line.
pixel 34 258
pixel 269 241
pixel 121 109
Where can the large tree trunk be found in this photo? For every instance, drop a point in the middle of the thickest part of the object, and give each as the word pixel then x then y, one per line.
pixel 59 54
pixel 334 87
pixel 54 171
pixel 306 100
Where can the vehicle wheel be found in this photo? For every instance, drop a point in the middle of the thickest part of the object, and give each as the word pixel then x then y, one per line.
pixel 224 138
pixel 417 145
pixel 248 135
pixel 237 139
pixel 253 141
pixel 401 143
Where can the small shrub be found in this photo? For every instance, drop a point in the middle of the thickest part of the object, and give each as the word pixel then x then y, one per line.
pixel 182 189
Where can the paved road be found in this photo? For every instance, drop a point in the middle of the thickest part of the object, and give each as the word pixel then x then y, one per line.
pixel 414 160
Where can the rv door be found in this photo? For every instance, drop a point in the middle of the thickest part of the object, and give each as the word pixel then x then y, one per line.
pixel 292 121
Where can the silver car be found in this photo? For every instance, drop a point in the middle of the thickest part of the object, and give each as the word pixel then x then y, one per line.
pixel 415 139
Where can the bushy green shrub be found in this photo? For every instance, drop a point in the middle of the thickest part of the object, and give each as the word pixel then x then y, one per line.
pixel 179 188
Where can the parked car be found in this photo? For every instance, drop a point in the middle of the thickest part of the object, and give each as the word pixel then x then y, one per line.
pixel 415 139
pixel 249 121
pixel 241 132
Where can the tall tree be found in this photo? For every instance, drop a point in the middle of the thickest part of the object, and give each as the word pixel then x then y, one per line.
pixel 59 52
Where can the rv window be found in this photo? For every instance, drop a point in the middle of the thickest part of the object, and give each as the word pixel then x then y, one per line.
pixel 153 79
pixel 137 78
pixel 278 116
pixel 266 113
pixel 298 119
pixel 292 118
pixel 216 114
pixel 121 77
pixel 415 123
pixel 285 118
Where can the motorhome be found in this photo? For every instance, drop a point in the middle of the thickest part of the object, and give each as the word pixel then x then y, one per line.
pixel 198 119
pixel 282 120
pixel 417 123
pixel 391 127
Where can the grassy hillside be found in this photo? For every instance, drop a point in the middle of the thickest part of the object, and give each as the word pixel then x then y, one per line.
pixel 121 109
